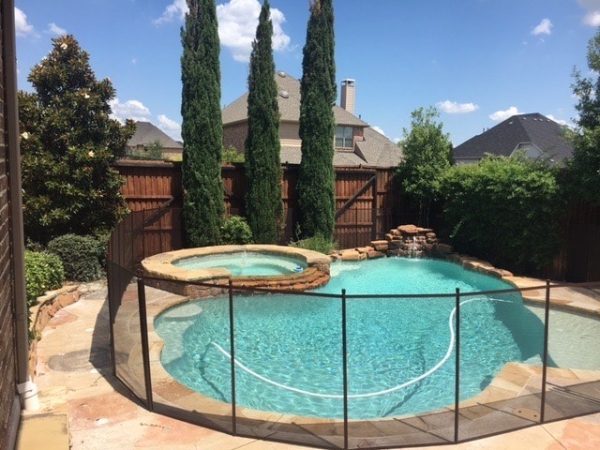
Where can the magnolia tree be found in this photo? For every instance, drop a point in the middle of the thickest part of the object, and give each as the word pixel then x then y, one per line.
pixel 68 142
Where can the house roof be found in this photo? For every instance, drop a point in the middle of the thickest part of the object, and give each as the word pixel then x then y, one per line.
pixel 525 129
pixel 293 155
pixel 147 133
pixel 289 105
pixel 375 151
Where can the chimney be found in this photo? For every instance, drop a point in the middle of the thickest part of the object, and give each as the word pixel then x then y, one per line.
pixel 348 100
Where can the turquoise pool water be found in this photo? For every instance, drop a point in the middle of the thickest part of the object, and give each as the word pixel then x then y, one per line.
pixel 245 264
pixel 401 354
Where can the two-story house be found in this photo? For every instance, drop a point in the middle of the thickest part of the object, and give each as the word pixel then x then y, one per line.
pixel 356 143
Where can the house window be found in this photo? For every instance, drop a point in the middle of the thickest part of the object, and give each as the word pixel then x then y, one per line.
pixel 343 137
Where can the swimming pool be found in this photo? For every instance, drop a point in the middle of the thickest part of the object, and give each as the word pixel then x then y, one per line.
pixel 245 264
pixel 400 351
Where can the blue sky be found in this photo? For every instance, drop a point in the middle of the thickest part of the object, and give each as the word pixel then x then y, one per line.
pixel 478 60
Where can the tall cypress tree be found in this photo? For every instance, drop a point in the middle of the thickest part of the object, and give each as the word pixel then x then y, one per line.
pixel 263 168
pixel 202 127
pixel 315 187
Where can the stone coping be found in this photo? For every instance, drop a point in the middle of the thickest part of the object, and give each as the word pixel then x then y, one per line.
pixel 162 265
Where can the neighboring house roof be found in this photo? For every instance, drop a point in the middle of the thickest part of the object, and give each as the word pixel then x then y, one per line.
pixel 378 150
pixel 289 105
pixel 518 132
pixel 147 133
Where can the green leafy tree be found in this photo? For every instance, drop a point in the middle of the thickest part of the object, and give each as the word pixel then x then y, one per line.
pixel 68 143
pixel 152 151
pixel 231 156
pixel 584 168
pixel 264 206
pixel 427 154
pixel 202 127
pixel 504 210
pixel 316 177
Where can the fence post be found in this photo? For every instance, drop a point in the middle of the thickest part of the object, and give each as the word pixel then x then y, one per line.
pixel 356 244
pixel 144 338
pixel 457 366
pixel 545 355
pixel 232 359
pixel 374 209
pixel 345 367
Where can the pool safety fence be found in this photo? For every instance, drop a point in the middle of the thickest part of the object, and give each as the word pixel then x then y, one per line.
pixel 545 388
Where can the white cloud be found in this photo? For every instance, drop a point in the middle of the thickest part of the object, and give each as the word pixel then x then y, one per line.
pixel 176 10
pixel 592 19
pixel 378 129
pixel 55 29
pixel 22 27
pixel 170 127
pixel 564 123
pixel 238 20
pixel 592 16
pixel 450 107
pixel 131 109
pixel 544 27
pixel 503 115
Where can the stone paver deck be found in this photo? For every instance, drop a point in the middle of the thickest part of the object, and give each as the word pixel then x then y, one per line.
pixel 75 378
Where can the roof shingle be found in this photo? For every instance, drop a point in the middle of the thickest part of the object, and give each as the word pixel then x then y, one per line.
pixel 504 138
pixel 147 133
pixel 289 105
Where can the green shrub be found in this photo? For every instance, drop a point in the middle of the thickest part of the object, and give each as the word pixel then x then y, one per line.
pixel 80 255
pixel 43 271
pixel 235 230
pixel 317 243
pixel 230 155
pixel 103 238
pixel 506 210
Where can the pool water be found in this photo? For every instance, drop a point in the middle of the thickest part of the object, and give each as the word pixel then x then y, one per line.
pixel 245 264
pixel 401 355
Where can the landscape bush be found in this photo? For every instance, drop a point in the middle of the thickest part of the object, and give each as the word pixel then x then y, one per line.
pixel 43 271
pixel 316 243
pixel 81 256
pixel 235 230
pixel 506 210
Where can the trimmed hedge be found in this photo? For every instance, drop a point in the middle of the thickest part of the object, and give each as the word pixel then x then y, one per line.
pixel 43 272
pixel 81 256
pixel 505 210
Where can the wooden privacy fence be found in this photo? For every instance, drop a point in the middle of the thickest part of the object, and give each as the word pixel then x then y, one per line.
pixel 579 256
pixel 367 206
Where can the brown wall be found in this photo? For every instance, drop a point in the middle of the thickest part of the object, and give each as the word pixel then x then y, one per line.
pixel 7 332
pixel 579 256
pixel 235 135
pixel 289 131
pixel 151 184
